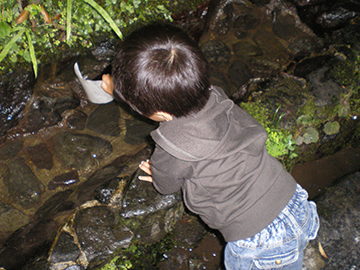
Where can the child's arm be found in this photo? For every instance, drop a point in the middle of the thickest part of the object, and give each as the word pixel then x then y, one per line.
pixel 107 84
pixel 167 173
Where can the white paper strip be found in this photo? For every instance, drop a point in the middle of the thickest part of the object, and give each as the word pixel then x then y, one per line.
pixel 93 89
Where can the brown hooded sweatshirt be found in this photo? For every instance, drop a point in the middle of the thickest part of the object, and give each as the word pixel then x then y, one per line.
pixel 219 160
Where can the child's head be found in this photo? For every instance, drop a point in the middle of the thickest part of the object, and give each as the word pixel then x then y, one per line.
pixel 160 68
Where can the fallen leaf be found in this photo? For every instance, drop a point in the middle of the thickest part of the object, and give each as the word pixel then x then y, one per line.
pixel 22 17
pixel 45 14
pixel 57 16
pixel 322 252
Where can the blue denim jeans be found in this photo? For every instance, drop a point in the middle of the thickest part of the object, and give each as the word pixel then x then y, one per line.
pixel 281 244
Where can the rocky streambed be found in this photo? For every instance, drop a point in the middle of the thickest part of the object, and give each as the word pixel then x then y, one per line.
pixel 70 198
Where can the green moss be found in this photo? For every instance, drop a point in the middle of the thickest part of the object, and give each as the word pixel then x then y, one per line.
pixel 347 71
pixel 317 131
pixel 140 256
pixel 279 142
pixel 118 263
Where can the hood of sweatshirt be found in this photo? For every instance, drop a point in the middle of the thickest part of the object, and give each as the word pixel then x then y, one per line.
pixel 220 129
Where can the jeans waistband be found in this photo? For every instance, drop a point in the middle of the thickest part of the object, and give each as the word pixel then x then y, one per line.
pixel 299 196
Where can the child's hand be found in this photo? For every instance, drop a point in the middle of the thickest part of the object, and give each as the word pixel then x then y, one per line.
pixel 107 84
pixel 146 167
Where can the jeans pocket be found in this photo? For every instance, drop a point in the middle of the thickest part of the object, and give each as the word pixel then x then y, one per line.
pixel 236 250
pixel 278 258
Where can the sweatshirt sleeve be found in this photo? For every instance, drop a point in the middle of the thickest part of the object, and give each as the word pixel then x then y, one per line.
pixel 168 172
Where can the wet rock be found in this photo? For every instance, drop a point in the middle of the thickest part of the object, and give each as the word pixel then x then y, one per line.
pixel 138 131
pixel 41 156
pixel 10 149
pixel 104 193
pixel 285 27
pixel 123 166
pixel 335 18
pixel 239 73
pixel 141 199
pixel 55 205
pixel 65 249
pixel 94 235
pixel 263 36
pixel 105 50
pixel 27 242
pixel 94 229
pixel 349 34
pixel 77 120
pixel 155 226
pixel 73 267
pixel 41 263
pixel 339 211
pixel 241 34
pixel 46 111
pixel 109 127
pixel 272 47
pixel 16 89
pixel 315 70
pixel 64 180
pixel 42 116
pixel 85 191
pixel 260 2
pixel 151 214
pixel 216 52
pixel 308 65
pixel 22 184
pixel 194 246
pixel 246 21
pixel 300 3
pixel 323 88
pixel 246 48
pixel 313 260
pixel 4 177
pixel 11 219
pixel 80 151
pixel 316 175
pixel 189 231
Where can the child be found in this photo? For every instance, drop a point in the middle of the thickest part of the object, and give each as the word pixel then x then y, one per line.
pixel 213 151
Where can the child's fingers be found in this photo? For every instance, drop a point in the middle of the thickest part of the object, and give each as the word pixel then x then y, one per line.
pixel 145 178
pixel 145 164
pixel 106 78
pixel 146 167
pixel 104 86
pixel 107 84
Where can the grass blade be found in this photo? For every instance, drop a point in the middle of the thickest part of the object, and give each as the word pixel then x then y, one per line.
pixel 8 46
pixel 68 19
pixel 32 52
pixel 106 16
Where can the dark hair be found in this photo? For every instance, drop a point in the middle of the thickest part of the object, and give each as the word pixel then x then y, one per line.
pixel 160 68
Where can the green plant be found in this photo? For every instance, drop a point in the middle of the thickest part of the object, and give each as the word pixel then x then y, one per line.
pixel 279 142
pixel 36 32
pixel 118 263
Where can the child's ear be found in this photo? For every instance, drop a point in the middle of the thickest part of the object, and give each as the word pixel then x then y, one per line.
pixel 161 116
pixel 166 116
